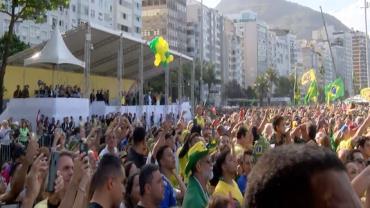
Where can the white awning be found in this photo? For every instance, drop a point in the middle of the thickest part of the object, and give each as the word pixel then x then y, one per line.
pixel 55 52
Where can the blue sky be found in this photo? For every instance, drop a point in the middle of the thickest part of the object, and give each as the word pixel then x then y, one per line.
pixel 347 11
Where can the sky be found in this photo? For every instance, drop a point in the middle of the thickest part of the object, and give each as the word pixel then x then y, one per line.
pixel 347 11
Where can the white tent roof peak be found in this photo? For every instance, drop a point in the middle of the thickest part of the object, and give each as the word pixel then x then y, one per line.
pixel 54 52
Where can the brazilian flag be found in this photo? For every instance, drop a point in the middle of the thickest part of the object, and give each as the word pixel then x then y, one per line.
pixel 312 93
pixel 334 90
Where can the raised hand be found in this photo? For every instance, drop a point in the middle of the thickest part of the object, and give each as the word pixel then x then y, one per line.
pixel 35 178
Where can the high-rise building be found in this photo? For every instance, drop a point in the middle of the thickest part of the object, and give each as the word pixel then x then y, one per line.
pixel 282 51
pixel 342 52
pixel 165 18
pixel 325 72
pixel 341 46
pixel 233 55
pixel 213 36
pixel 255 44
pixel 308 57
pixel 360 75
pixel 127 16
pixel 124 15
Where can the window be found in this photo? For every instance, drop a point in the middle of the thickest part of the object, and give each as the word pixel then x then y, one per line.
pixel 124 15
pixel 73 8
pixel 138 18
pixel 92 1
pixel 120 2
pixel 92 13
pixel 124 28
pixel 54 22
pixel 86 11
pixel 137 30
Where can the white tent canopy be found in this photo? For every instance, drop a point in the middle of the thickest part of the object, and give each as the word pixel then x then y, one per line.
pixel 54 52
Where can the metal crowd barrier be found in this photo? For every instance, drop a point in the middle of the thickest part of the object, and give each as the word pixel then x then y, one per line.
pixel 45 140
pixel 5 153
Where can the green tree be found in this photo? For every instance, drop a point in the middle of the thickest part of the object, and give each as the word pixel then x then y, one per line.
pixel 251 93
pixel 233 90
pixel 261 87
pixel 272 79
pixel 285 87
pixel 20 10
pixel 16 45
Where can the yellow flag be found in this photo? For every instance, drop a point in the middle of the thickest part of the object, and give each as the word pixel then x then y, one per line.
pixel 365 93
pixel 308 77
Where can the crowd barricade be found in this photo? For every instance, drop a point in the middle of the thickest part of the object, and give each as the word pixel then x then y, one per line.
pixel 5 153
pixel 46 140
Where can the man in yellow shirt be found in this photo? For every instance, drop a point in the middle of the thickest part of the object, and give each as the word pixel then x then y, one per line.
pixel 244 141
pixel 199 116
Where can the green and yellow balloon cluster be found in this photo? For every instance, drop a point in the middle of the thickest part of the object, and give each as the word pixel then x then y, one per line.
pixel 160 48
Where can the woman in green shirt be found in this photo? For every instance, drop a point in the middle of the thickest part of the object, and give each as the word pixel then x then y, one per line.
pixel 23 134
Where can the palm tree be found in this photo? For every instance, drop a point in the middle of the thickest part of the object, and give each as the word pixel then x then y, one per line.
pixel 272 79
pixel 261 87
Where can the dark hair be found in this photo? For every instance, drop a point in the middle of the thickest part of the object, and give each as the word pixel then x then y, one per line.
pixel 242 132
pixel 311 131
pixel 361 140
pixel 255 133
pixel 351 155
pixel 146 176
pixel 196 129
pixel 138 135
pixel 217 168
pixel 185 148
pixel 160 153
pixel 127 166
pixel 129 187
pixel 276 121
pixel 109 166
pixel 282 176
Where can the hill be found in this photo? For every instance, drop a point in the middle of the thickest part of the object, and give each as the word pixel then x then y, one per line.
pixel 299 19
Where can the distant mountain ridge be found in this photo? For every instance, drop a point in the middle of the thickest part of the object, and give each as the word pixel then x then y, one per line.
pixel 283 14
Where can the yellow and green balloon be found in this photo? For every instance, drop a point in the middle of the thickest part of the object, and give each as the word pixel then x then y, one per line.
pixel 159 46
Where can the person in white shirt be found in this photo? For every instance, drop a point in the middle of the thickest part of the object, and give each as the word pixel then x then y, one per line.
pixel 5 133
pixel 111 144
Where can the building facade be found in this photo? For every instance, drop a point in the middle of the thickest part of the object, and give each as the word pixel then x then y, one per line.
pixel 165 18
pixel 360 75
pixel 255 44
pixel 233 55
pixel 107 13
pixel 127 16
pixel 342 50
pixel 213 41
pixel 282 51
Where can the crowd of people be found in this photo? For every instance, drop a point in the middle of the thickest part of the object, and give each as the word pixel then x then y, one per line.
pixel 130 98
pixel 311 156
pixel 44 90
pixel 99 96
